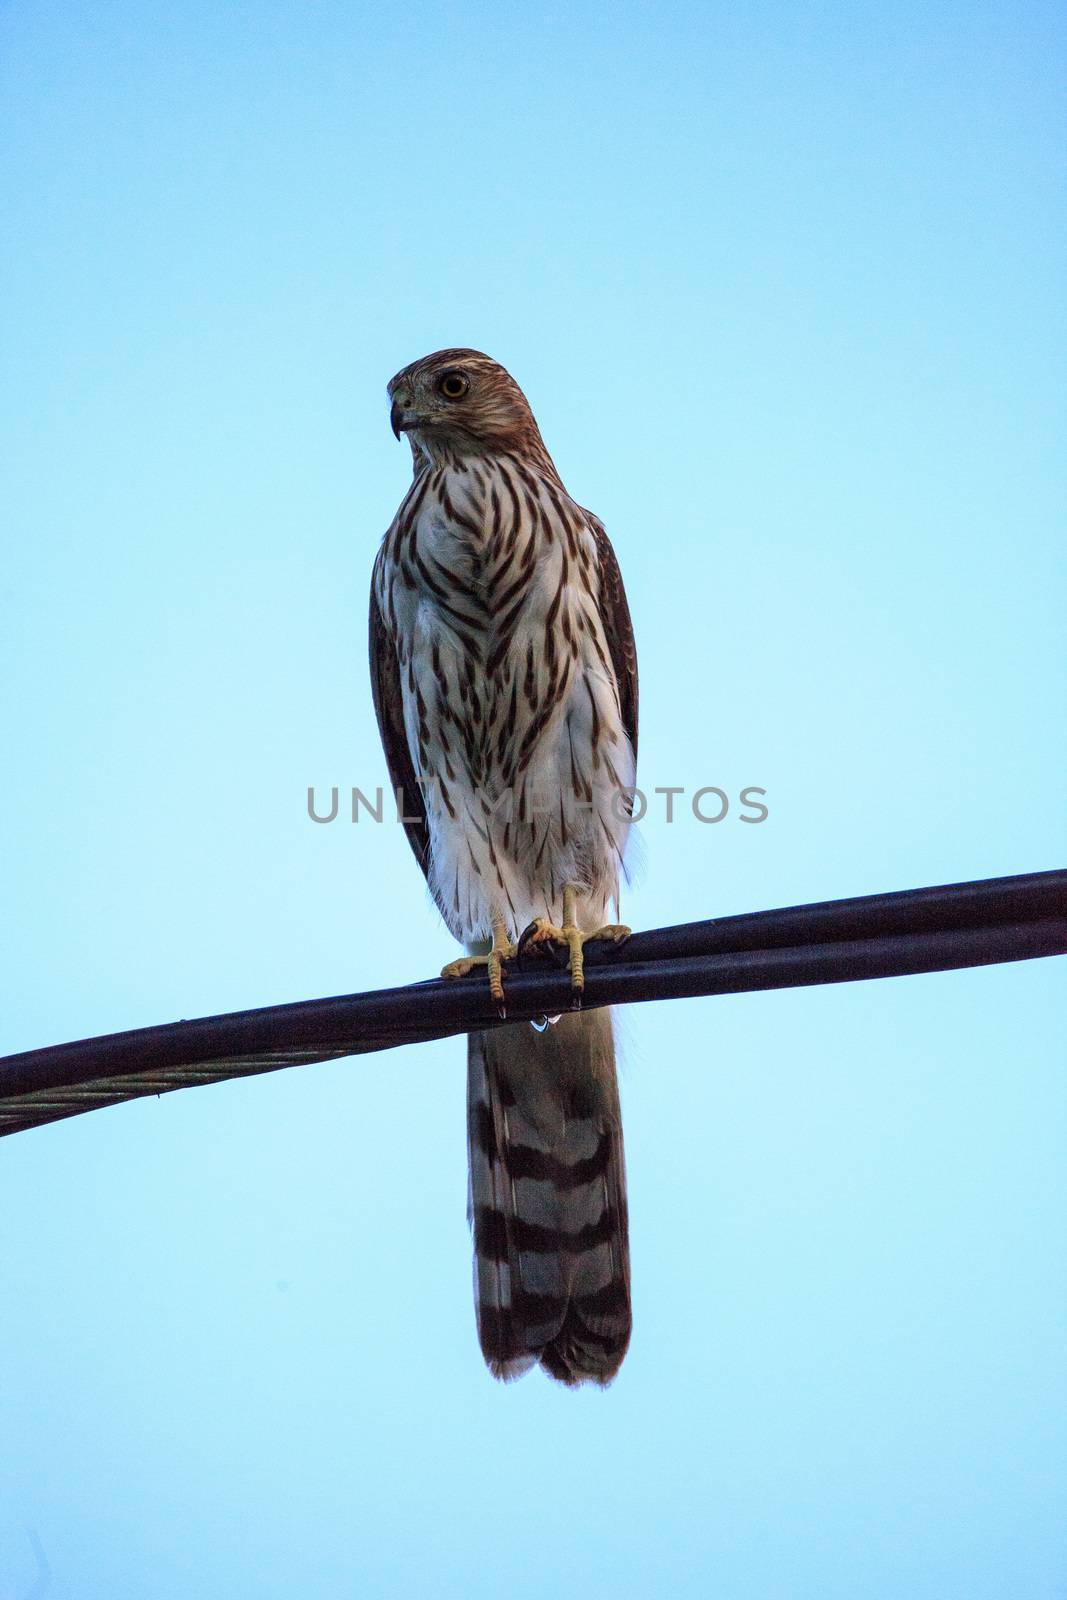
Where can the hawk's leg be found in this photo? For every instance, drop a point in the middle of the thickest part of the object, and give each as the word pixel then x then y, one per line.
pixel 541 931
pixel 502 951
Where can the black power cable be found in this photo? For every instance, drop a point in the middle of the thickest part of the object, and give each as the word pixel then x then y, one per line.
pixel 835 941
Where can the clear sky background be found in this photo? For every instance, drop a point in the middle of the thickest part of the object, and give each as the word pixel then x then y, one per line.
pixel 784 284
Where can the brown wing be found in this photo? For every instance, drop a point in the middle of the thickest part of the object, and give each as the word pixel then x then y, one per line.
pixel 619 629
pixel 389 709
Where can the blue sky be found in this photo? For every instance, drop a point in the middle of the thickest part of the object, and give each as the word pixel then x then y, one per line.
pixel 784 286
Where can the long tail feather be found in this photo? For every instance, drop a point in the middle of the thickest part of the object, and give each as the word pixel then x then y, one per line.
pixel 548 1199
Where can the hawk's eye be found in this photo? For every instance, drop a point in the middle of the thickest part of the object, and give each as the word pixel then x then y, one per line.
pixel 453 385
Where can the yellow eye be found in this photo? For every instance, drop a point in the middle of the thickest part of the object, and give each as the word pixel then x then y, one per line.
pixel 453 385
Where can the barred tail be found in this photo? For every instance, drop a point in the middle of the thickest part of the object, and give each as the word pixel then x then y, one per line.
pixel 548 1199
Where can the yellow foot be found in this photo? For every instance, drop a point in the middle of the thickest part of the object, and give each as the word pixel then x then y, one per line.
pixel 571 938
pixel 503 950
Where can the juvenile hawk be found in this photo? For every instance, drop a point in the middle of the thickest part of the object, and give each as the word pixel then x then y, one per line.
pixel 505 684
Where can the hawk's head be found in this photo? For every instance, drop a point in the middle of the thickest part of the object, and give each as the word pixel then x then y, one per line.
pixel 459 402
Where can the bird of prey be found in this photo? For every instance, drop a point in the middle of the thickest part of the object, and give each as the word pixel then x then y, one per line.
pixel 505 684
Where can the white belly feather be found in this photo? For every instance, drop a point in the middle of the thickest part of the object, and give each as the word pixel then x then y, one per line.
pixel 511 708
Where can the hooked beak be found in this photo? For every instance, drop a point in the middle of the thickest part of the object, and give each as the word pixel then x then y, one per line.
pixel 403 414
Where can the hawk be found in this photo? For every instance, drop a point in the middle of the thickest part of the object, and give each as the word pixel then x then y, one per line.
pixel 505 685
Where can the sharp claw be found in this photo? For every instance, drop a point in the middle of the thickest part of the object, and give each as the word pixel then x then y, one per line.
pixel 544 937
pixel 503 950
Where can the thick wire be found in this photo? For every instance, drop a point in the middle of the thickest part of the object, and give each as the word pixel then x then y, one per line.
pixel 837 941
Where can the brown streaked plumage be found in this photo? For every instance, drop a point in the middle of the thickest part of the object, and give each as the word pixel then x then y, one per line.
pixel 505 684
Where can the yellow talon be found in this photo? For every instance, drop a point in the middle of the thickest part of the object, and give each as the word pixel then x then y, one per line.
pixel 503 950
pixel 542 931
